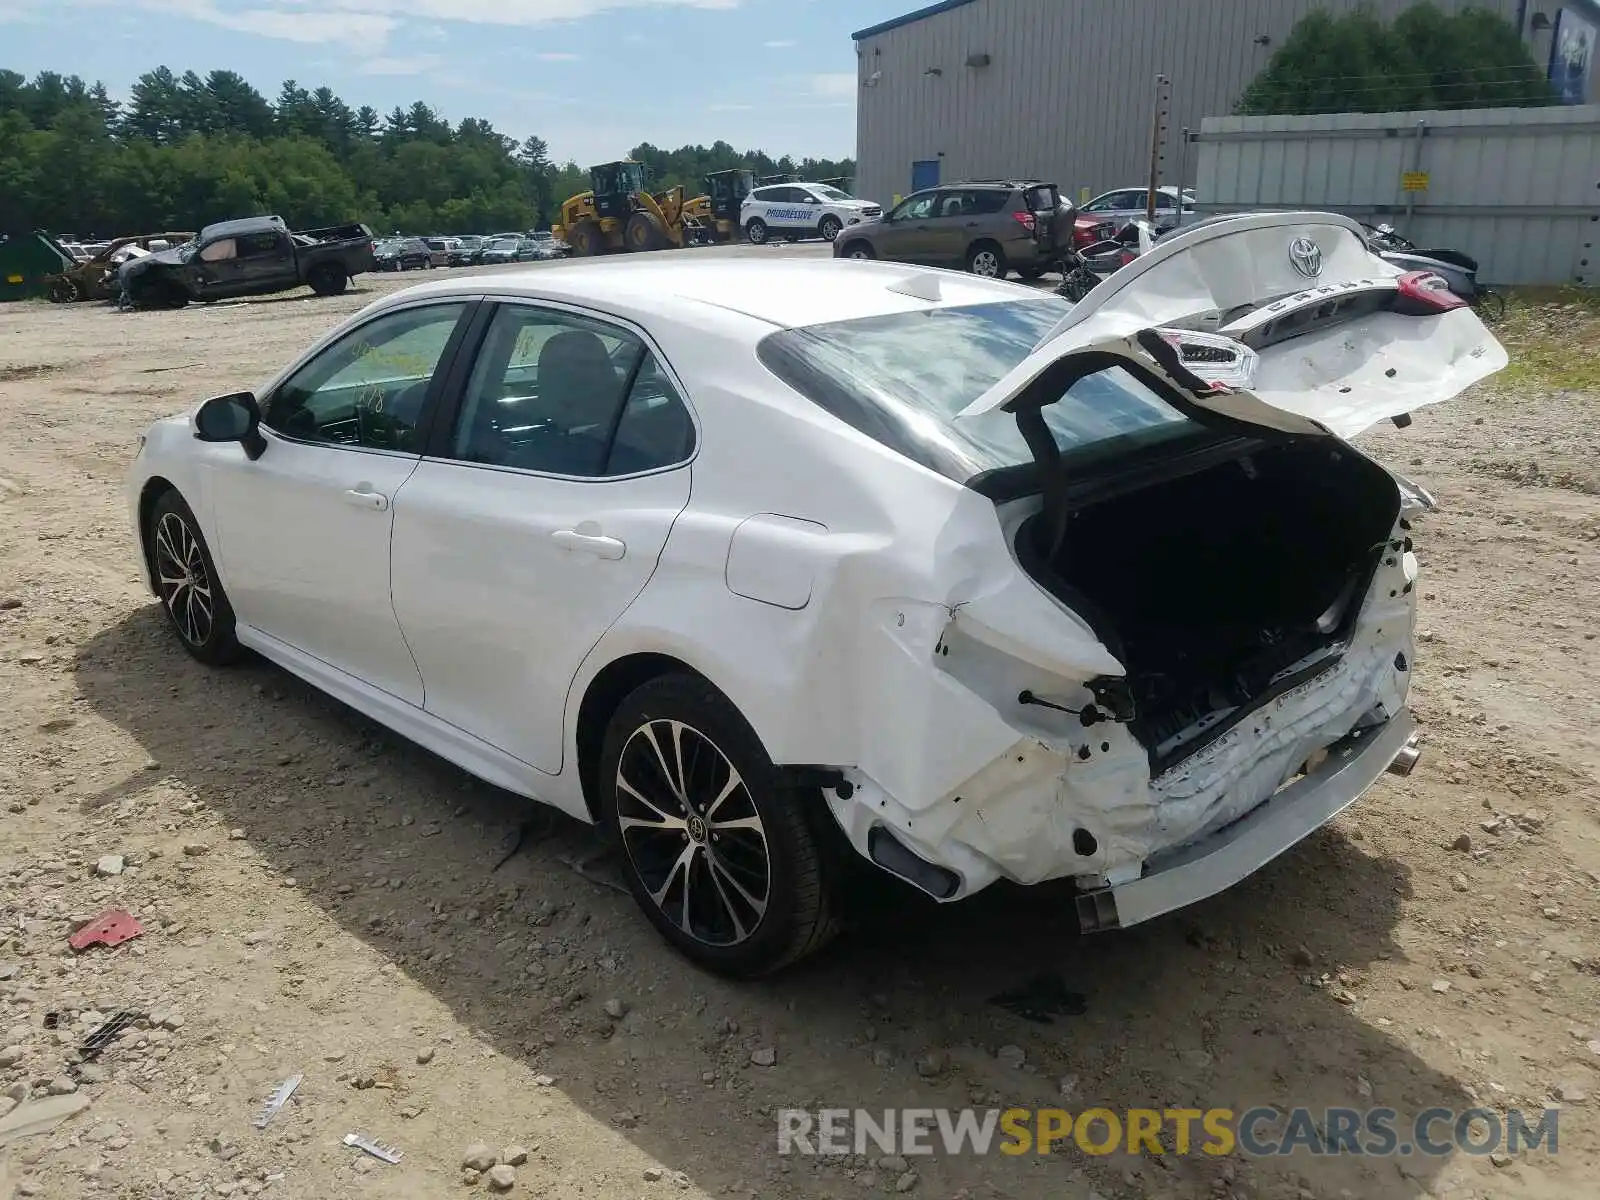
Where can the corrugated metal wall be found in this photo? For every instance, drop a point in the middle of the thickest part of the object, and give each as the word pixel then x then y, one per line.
pixel 1068 93
pixel 1516 188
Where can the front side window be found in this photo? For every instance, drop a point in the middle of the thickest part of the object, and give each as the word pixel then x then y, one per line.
pixel 902 378
pixel 223 251
pixel 367 389
pixel 561 394
pixel 917 208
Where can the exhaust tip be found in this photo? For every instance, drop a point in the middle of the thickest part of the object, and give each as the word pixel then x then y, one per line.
pixel 1405 760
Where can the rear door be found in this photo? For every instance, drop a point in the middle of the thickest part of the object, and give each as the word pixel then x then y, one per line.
pixel 536 517
pixel 1283 321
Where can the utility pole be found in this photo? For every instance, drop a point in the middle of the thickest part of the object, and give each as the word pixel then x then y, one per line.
pixel 1158 128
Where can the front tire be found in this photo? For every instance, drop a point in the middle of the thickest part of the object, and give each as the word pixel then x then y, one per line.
pixel 860 250
pixel 186 580
pixel 756 232
pixel 718 850
pixel 585 240
pixel 643 233
pixel 830 228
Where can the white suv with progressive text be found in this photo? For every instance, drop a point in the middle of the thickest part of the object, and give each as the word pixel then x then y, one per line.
pixel 801 210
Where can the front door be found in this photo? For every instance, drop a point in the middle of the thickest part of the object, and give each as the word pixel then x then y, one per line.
pixel 304 529
pixel 243 265
pixel 924 175
pixel 908 234
pixel 539 522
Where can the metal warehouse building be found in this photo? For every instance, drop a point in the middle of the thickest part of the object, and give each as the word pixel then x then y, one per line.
pixel 1064 90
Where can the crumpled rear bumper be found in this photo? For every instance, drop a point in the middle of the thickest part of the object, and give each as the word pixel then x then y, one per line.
pixel 1229 855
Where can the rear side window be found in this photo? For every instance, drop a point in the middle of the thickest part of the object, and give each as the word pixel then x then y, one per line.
pixel 989 200
pixel 561 394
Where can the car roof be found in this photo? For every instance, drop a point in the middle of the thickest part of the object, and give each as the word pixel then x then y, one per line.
pixel 785 293
pixel 999 183
pixel 242 225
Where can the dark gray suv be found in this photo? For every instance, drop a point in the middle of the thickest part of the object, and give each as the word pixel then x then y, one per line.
pixel 990 227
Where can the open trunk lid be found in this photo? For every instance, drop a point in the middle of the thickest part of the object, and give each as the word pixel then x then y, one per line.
pixel 1281 321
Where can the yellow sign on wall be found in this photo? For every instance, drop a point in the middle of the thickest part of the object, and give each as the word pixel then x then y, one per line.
pixel 1414 181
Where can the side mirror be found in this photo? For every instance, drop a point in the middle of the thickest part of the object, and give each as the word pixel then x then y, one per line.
pixel 235 417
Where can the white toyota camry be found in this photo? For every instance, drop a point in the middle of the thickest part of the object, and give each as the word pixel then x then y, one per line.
pixel 754 562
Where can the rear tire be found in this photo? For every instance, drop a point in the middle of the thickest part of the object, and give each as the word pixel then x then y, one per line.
pixel 1031 273
pixel 718 850
pixel 192 597
pixel 756 231
pixel 830 228
pixel 328 280
pixel 988 260
pixel 643 233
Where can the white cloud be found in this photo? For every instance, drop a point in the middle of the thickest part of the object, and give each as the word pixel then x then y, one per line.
pixel 403 64
pixel 723 108
pixel 836 86
pixel 366 28
pixel 506 12
pixel 557 56
pixel 780 44
pixel 367 22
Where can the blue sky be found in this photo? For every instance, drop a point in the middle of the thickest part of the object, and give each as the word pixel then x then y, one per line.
pixel 591 77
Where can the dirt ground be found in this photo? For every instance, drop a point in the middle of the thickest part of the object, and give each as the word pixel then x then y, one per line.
pixel 320 898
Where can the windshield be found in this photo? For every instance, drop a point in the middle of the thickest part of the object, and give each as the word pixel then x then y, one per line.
pixel 902 378
pixel 503 244
pixel 829 193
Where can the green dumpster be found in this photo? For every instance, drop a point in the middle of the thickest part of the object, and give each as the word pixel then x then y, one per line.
pixel 25 260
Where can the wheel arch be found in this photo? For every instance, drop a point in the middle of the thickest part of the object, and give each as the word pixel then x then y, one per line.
pixel 154 488
pixel 611 685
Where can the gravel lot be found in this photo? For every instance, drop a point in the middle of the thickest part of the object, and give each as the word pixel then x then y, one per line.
pixel 320 898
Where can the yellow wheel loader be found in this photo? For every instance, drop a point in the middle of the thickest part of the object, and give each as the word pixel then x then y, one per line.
pixel 717 210
pixel 618 213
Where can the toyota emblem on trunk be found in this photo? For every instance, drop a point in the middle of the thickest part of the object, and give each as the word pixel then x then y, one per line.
pixel 1306 256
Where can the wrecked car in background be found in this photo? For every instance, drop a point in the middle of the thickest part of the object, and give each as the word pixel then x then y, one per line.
pixel 1095 592
pixel 252 256
pixel 95 276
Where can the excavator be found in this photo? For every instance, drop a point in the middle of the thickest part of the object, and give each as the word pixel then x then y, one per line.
pixel 717 211
pixel 620 213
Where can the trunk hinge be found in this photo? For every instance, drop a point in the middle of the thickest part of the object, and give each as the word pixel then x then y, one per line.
pixel 1052 479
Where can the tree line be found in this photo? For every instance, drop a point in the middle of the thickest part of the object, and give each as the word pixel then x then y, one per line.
pixel 186 150
pixel 1423 59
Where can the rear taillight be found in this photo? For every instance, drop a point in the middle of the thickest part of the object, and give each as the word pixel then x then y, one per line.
pixel 1423 293
pixel 1221 362
pixel 1025 219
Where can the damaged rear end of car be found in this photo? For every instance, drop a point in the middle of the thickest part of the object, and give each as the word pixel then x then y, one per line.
pixel 1203 633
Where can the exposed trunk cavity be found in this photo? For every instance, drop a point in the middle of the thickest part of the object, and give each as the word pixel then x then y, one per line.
pixel 1224 587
